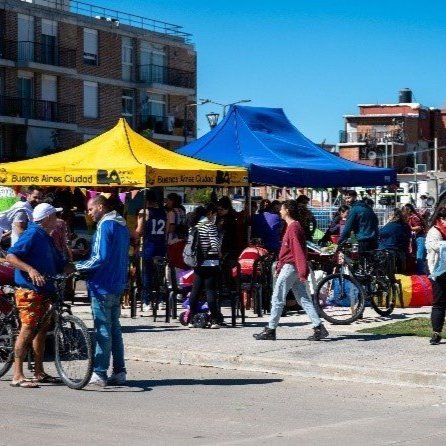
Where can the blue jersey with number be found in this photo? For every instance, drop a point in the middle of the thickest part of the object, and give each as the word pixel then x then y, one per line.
pixel 155 233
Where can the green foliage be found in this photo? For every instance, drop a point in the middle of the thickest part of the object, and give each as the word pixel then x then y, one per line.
pixel 202 195
pixel 419 326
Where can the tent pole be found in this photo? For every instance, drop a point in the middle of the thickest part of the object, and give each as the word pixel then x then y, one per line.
pixel 248 203
pixel 141 261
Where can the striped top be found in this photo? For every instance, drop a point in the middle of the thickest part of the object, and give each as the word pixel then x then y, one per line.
pixel 209 241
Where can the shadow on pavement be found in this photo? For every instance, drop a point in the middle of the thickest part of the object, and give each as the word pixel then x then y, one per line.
pixel 147 385
pixel 148 328
pixel 202 382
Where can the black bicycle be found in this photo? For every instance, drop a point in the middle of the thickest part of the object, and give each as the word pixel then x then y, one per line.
pixel 73 347
pixel 340 298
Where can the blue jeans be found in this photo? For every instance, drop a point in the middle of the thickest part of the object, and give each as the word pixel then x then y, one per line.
pixel 420 245
pixel 106 310
pixel 286 281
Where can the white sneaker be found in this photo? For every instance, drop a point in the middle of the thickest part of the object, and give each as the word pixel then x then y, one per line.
pixel 190 325
pixel 145 307
pixel 118 379
pixel 96 380
pixel 215 326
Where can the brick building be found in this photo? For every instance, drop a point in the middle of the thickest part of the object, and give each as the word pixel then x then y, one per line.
pixel 399 135
pixel 69 70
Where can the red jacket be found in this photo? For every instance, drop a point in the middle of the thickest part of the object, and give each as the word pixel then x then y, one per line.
pixel 294 250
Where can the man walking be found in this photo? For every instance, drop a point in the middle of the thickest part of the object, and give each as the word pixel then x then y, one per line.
pixel 362 221
pixel 34 256
pixel 107 270
pixel 291 274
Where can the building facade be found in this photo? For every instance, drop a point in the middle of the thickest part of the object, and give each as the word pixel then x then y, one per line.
pixel 69 70
pixel 404 135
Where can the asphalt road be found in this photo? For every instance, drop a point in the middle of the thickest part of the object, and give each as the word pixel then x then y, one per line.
pixel 182 405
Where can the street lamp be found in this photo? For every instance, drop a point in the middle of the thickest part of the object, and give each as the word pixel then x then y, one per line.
pixel 195 104
pixel 225 106
pixel 212 119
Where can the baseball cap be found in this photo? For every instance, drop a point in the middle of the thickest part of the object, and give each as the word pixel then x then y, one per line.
pixel 43 210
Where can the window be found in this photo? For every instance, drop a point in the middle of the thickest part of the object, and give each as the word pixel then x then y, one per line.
pixel 25 37
pixel 90 46
pixel 127 58
pixel 91 100
pixel 48 47
pixel 152 59
pixel 255 191
pixel 128 105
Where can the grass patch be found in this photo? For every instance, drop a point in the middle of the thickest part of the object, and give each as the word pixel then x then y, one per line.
pixel 419 326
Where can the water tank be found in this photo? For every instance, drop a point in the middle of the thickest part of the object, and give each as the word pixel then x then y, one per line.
pixel 405 96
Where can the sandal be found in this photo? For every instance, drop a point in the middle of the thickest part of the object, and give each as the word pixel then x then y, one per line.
pixel 24 384
pixel 44 378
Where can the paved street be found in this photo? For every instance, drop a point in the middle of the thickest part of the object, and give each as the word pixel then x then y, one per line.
pixel 184 405
pixel 210 387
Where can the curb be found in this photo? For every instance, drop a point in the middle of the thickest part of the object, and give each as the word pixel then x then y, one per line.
pixel 287 367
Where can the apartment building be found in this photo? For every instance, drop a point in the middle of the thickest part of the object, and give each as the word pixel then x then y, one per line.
pixel 69 70
pixel 404 135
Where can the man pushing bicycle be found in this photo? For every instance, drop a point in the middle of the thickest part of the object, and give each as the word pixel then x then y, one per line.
pixel 34 256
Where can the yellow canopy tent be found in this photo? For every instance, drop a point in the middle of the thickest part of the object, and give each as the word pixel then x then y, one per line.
pixel 120 157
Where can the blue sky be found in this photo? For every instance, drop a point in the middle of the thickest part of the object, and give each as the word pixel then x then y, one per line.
pixel 316 59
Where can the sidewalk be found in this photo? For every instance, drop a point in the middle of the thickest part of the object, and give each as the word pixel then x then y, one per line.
pixel 345 355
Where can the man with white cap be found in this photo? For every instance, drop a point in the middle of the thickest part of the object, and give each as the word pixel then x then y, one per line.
pixel 34 255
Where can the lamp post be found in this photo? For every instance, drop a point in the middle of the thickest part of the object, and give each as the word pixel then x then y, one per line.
pixel 225 106
pixel 195 104
pixel 212 119
pixel 415 172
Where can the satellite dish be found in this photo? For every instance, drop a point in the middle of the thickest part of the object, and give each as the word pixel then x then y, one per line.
pixel 372 155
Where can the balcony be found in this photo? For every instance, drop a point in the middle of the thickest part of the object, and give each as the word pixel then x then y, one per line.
pixel 37 109
pixel 166 125
pixel 38 52
pixel 150 73
pixel 372 137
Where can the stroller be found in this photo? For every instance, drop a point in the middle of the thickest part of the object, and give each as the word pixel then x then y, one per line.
pixel 202 318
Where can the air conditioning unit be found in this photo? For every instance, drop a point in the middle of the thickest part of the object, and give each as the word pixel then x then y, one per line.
pixel 421 168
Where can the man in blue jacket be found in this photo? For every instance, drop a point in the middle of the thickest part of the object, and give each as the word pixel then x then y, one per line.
pixel 107 270
pixel 362 221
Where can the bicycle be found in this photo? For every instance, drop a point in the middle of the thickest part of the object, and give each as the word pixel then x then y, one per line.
pixel 340 298
pixel 73 349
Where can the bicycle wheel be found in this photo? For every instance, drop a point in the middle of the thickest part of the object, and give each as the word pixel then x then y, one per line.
pixel 7 340
pixel 383 295
pixel 339 299
pixel 73 352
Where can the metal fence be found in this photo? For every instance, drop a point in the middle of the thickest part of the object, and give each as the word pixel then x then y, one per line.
pixel 325 215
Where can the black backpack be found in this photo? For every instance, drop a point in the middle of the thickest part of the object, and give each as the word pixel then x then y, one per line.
pixel 191 251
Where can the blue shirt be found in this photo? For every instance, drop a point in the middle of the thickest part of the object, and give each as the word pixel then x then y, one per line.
pixel 107 266
pixel 396 236
pixel 36 248
pixel 155 243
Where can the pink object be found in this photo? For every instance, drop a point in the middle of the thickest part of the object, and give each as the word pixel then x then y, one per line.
pixel 186 278
pixel 122 197
pixel 91 194
pixel 6 274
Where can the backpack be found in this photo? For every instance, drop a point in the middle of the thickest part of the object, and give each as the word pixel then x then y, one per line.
pixel 191 251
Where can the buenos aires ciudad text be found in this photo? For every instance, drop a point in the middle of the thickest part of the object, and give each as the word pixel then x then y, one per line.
pixel 36 179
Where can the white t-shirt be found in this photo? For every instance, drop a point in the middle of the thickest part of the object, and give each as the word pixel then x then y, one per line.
pixel 19 217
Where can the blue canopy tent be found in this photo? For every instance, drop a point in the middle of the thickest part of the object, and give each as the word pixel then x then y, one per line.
pixel 275 153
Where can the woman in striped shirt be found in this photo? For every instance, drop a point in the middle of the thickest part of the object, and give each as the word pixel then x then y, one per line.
pixel 206 273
